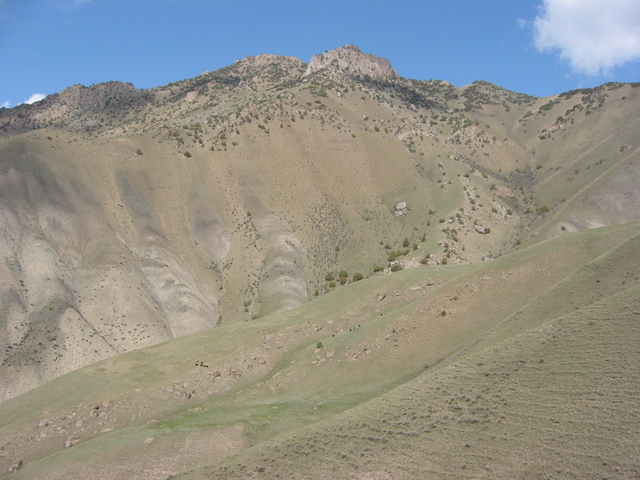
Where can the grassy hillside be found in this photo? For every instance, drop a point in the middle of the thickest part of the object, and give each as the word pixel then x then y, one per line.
pixel 450 363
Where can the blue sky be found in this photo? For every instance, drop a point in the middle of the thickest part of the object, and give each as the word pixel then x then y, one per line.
pixel 539 47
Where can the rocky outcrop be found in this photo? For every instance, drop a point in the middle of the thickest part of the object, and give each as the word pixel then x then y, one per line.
pixel 109 95
pixel 77 108
pixel 349 61
pixel 267 68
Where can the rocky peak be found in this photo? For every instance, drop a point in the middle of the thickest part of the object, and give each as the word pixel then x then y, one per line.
pixel 351 62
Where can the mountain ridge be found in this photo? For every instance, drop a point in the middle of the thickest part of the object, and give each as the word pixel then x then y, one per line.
pixel 250 190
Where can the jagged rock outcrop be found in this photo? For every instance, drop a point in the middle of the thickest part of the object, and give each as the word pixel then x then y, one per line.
pixel 351 62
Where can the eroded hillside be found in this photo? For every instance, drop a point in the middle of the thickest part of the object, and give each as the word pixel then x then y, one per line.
pixel 131 217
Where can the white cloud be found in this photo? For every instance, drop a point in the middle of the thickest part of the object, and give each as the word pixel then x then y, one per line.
pixel 6 104
pixel 593 36
pixel 36 97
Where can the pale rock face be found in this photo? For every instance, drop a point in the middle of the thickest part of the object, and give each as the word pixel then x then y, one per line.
pixel 351 62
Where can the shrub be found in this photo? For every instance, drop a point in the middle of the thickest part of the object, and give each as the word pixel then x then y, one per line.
pixel 544 209
pixel 319 345
pixel 138 152
pixel 396 268
pixel 357 276
pixel 187 153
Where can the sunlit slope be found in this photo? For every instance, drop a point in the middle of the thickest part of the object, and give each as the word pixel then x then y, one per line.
pixel 114 244
pixel 160 411
pixel 551 392
pixel 130 217
pixel 586 158
pixel 556 401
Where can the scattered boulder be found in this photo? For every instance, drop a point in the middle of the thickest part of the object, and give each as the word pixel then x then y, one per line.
pixel 401 209
pixel 71 441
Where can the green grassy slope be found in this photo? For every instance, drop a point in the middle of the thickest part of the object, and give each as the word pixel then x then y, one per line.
pixel 158 413
pixel 558 399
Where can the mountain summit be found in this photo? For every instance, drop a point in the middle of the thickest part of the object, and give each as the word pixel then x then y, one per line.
pixel 349 61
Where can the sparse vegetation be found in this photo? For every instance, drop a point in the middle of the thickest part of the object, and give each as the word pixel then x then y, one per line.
pixel 131 252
